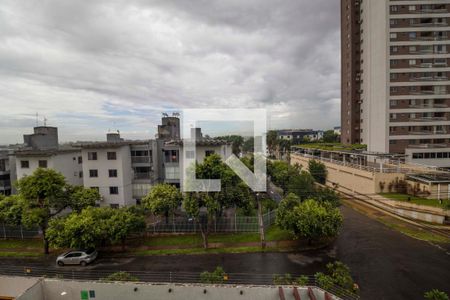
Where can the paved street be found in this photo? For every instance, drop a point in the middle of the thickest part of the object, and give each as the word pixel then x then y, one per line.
pixel 385 263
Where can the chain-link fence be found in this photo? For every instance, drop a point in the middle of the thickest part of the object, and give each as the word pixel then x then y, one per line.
pixel 18 232
pixel 179 224
pixel 183 224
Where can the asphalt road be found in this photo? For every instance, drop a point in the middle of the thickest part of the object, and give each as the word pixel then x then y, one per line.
pixel 385 263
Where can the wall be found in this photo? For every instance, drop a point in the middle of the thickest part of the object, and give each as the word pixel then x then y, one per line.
pixel 351 179
pixel 124 174
pixel 120 291
pixel 61 162
pixel 375 75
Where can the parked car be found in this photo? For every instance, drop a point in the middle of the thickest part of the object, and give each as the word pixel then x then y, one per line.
pixel 77 257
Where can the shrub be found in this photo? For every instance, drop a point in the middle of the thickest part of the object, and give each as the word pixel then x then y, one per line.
pixel 216 276
pixel 435 295
pixel 121 276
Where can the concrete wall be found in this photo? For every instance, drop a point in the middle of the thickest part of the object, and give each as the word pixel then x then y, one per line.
pixel 351 179
pixel 375 75
pixel 124 174
pixel 140 291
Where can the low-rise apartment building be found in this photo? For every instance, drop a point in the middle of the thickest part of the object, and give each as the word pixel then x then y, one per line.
pixel 123 171
pixel 5 173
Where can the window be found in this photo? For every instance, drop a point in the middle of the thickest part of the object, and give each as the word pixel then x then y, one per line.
pixel 394 49
pixel 190 154
pixel 42 164
pixel 412 8
pixel 171 156
pixel 92 155
pixel 412 62
pixel 412 35
pixel 80 160
pixel 80 174
pixel 93 173
pixel 24 164
pixel 113 190
pixel 112 173
pixel 393 116
pixel 111 155
pixel 393 36
pixel 91 294
pixel 412 49
pixel 394 8
pixel 393 103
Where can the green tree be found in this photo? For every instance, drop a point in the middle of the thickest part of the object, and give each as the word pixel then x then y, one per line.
pixel 338 274
pixel 192 204
pixel 121 276
pixel 93 226
pixel 330 137
pixel 327 195
pixel 318 171
pixel 122 223
pixel 163 200
pixel 214 277
pixel 285 217
pixel 83 197
pixel 311 220
pixel 272 141
pixel 249 145
pixel 44 195
pixel 11 210
pixel 301 184
pixel 80 230
pixel 435 295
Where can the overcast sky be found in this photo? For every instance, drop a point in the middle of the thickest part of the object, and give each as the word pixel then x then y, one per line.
pixel 93 66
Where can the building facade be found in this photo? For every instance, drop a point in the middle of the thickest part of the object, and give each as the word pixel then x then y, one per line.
pixel 123 171
pixel 400 77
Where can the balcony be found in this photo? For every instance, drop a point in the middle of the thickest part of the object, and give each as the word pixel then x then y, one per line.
pixel 432 11
pixel 427 132
pixel 435 105
pixel 140 159
pixel 146 176
pixel 425 119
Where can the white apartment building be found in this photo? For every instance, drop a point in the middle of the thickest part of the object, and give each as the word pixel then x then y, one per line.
pixel 398 55
pixel 122 171
pixel 66 161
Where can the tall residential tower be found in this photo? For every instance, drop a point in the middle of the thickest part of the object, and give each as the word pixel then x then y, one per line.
pixel 395 77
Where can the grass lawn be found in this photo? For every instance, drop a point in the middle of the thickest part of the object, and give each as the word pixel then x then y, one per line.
pixel 415 200
pixel 272 234
pixel 21 244
pixel 193 251
pixel 398 225
pixel 20 254
pixel 333 146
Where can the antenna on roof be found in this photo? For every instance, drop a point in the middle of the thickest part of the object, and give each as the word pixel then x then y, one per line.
pixel 45 121
pixel 37 119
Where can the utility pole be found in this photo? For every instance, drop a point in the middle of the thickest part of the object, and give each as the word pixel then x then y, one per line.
pixel 261 222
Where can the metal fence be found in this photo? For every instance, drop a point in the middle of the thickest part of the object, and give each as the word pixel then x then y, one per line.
pixel 183 224
pixel 165 277
pixel 18 232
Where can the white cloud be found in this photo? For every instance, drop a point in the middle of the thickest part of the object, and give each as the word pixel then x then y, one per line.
pixel 93 65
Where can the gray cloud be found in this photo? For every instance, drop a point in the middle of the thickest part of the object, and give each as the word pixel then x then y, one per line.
pixel 119 63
